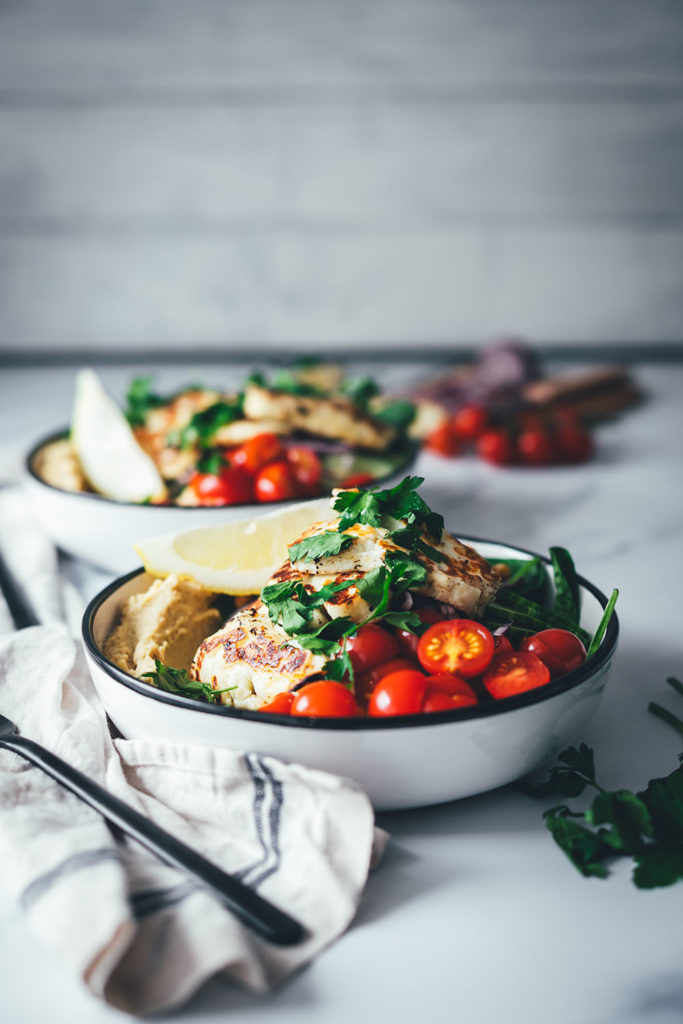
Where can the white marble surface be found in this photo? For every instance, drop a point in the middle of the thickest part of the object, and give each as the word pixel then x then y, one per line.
pixel 475 914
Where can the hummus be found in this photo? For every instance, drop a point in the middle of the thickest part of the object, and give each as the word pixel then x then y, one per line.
pixel 166 623
pixel 57 464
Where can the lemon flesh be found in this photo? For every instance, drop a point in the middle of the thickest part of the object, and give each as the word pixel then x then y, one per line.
pixel 235 557
pixel 111 459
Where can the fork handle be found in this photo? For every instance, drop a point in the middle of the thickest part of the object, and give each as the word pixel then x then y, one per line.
pixel 253 910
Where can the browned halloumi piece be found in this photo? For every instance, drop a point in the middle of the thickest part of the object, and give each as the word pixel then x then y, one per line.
pixel 332 417
pixel 253 656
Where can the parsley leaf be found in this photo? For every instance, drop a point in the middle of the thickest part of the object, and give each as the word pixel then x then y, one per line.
pixel 321 545
pixel 285 380
pixel 203 425
pixel 397 414
pixel 360 390
pixel 140 399
pixel 177 680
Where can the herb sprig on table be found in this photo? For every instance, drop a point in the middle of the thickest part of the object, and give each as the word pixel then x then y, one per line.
pixel 646 826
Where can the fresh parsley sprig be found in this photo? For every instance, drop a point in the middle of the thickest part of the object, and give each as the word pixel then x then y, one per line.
pixel 200 431
pixel 177 680
pixel 646 826
pixel 320 545
pixel 140 399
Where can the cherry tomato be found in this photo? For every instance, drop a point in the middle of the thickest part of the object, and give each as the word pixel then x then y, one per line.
pixel 365 683
pixel 574 444
pixel 257 452
pixel 437 700
pixel 514 672
pixel 401 693
pixel 357 480
pixel 495 446
pixel 371 646
pixel 232 486
pixel 456 645
pixel 281 704
pixel 470 421
pixel 536 447
pixel 501 643
pixel 326 698
pixel 443 440
pixel 275 482
pixel 308 469
pixel 559 649
pixel 458 691
pixel 408 641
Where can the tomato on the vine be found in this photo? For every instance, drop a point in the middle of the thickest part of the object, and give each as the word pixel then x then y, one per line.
pixel 275 482
pixel 536 447
pixel 280 704
pixel 372 645
pixel 559 649
pixel 443 440
pixel 232 486
pixel 496 446
pixel 400 693
pixel 325 698
pixel 408 641
pixel 470 421
pixel 307 467
pixel 258 451
pixel 514 672
pixel 460 646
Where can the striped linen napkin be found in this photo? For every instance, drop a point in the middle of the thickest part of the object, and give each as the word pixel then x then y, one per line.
pixel 139 934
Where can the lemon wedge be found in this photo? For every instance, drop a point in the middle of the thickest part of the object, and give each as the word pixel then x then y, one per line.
pixel 236 557
pixel 111 459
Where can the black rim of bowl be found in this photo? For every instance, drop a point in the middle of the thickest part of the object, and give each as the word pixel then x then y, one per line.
pixel 61 435
pixel 497 707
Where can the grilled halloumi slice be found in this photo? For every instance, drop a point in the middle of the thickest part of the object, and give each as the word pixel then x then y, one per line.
pixel 255 656
pixel 463 579
pixel 332 417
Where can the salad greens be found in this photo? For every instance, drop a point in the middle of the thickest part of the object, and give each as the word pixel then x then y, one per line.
pixel 177 680
pixel 646 826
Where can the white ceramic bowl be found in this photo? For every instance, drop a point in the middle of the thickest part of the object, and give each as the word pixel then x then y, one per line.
pixel 103 531
pixel 406 761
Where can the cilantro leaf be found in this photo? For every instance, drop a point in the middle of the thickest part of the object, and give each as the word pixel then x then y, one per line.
pixel 358 507
pixel 285 380
pixel 627 817
pixel 325 640
pixel 658 866
pixel 360 390
pixel 321 545
pixel 397 414
pixel 203 425
pixel 585 849
pixel 410 621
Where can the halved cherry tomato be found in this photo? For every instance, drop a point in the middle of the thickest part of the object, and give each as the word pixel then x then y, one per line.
pixel 257 452
pixel 357 480
pixel 232 486
pixel 371 646
pixel 511 673
pixel 275 482
pixel 308 469
pixel 496 446
pixel 365 682
pixel 456 645
pixel 437 700
pixel 326 698
pixel 460 693
pixel 281 704
pixel 408 641
pixel 443 440
pixel 470 421
pixel 574 444
pixel 559 649
pixel 401 693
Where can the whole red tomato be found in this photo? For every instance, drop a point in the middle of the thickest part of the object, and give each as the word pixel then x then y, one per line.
pixel 470 421
pixel 443 440
pixel 365 682
pixel 559 649
pixel 401 693
pixel 326 698
pixel 281 704
pixel 307 467
pixel 257 452
pixel 275 482
pixel 232 486
pixel 372 645
pixel 536 448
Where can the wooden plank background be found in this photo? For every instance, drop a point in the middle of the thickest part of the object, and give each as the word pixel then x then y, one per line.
pixel 228 174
